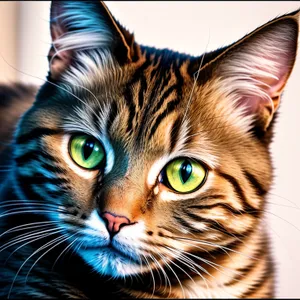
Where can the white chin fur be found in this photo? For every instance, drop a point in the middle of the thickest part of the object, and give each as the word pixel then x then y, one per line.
pixel 102 257
pixel 107 261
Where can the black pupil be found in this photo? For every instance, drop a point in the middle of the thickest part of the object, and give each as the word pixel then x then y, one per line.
pixel 186 171
pixel 88 148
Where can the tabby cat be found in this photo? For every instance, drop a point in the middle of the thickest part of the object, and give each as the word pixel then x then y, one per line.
pixel 142 172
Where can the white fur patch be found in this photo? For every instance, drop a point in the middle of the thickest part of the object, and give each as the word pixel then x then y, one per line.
pixel 256 71
pixel 79 26
pixel 89 31
pixel 94 68
pixel 96 226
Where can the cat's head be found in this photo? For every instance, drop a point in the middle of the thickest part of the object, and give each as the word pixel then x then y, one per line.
pixel 147 155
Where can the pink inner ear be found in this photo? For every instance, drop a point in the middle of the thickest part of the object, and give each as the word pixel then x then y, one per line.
pixel 253 104
pixel 56 31
pixel 274 85
pixel 270 77
pixel 257 70
pixel 59 60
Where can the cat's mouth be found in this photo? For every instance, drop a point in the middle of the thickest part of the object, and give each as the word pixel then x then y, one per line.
pixel 124 254
pixel 111 261
pixel 113 251
pixel 113 256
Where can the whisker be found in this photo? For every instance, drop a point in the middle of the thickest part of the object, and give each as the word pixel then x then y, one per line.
pixel 214 245
pixel 182 257
pixel 166 277
pixel 205 280
pixel 29 226
pixel 195 81
pixel 32 240
pixel 181 253
pixel 56 242
pixel 45 80
pixel 212 264
pixel 19 270
pixel 24 237
pixel 156 268
pixel 29 212
pixel 282 205
pixel 282 219
pixel 171 269
pixel 68 247
pixel 188 275
pixel 32 204
pixel 215 266
pixel 153 279
pixel 294 203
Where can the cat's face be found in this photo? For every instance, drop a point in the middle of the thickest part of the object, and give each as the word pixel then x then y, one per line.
pixel 141 158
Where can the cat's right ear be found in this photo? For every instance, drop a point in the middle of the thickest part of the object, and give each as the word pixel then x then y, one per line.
pixel 82 25
pixel 251 73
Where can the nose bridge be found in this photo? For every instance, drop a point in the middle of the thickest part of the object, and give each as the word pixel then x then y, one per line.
pixel 123 199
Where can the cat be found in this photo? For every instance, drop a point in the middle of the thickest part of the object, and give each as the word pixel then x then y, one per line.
pixel 140 172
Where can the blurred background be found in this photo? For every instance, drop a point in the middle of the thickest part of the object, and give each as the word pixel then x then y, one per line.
pixel 191 27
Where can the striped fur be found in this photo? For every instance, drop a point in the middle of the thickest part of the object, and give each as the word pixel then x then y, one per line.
pixel 145 110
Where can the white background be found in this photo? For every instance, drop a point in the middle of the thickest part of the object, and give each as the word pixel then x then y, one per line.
pixel 187 27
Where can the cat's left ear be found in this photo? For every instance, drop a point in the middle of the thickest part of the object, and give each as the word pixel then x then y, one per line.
pixel 82 25
pixel 253 71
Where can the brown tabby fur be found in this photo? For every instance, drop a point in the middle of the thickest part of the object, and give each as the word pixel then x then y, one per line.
pixel 147 120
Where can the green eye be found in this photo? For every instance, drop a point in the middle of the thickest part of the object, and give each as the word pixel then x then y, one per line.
pixel 86 151
pixel 185 175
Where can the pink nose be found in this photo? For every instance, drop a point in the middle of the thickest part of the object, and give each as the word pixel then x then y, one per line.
pixel 114 223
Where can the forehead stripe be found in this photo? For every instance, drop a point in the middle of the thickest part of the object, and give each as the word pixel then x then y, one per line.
pixel 129 96
pixel 170 108
pixel 112 115
pixel 174 134
pixel 143 89
pixel 158 96
pixel 36 133
pixel 131 106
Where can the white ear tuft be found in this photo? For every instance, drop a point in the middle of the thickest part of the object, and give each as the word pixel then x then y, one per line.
pixel 254 70
pixel 83 25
